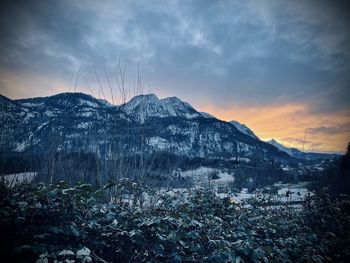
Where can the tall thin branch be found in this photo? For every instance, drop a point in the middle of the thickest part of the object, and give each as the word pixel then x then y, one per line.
pixel 109 84
pixel 99 82
pixel 77 79
pixel 87 84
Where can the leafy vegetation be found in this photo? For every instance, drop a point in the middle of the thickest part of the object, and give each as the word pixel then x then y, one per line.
pixel 79 224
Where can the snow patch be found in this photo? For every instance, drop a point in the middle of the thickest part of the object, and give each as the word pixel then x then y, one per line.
pixel 88 103
pixel 20 147
pixel 32 104
pixel 29 115
pixel 42 125
pixel 13 179
pixel 157 142
pixel 83 125
pixel 86 114
pixel 49 113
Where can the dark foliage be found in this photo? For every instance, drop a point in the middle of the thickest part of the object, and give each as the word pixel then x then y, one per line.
pixel 336 176
pixel 56 222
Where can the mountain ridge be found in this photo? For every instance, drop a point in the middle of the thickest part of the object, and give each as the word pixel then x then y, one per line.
pixel 139 109
pixel 296 153
pixel 244 129
pixel 99 139
pixel 74 114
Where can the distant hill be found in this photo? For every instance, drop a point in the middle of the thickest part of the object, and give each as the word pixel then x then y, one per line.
pixel 300 154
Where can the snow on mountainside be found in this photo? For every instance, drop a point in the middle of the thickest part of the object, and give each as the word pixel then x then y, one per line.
pixel 239 126
pixel 281 147
pixel 76 122
pixel 7 107
pixel 244 129
pixel 143 107
pixel 207 115
pixel 168 124
pixel 64 100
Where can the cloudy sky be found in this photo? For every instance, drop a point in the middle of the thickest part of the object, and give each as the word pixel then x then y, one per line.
pixel 280 67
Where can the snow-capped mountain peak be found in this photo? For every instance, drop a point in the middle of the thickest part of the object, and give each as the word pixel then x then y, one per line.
pixel 279 146
pixel 148 106
pixel 244 129
pixel 140 99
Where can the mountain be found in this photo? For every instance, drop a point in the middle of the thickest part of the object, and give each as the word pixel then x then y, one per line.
pixel 77 124
pixel 291 151
pixel 207 115
pixel 300 154
pixel 144 107
pixel 244 129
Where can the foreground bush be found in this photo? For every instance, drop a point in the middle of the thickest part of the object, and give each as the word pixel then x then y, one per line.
pixel 77 224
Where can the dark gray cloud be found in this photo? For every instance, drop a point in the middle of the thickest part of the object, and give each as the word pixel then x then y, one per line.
pixel 233 52
pixel 330 130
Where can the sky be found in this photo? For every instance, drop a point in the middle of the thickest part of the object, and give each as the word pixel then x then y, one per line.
pixel 280 67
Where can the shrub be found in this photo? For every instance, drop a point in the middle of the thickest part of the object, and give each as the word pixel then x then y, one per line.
pixel 43 223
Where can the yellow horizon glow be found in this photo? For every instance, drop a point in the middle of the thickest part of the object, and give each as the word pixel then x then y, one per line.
pixel 287 123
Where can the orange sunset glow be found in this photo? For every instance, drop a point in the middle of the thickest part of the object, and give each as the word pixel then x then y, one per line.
pixel 287 125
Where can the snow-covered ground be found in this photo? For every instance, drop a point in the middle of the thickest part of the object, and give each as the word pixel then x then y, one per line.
pixel 285 192
pixel 291 193
pixel 221 186
pixel 201 175
pixel 13 179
